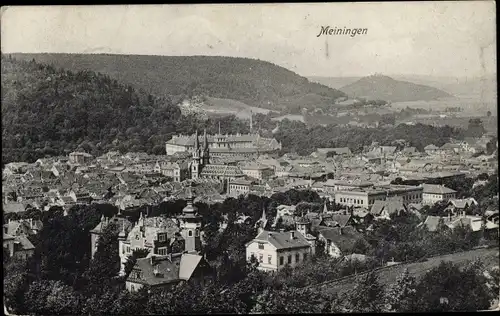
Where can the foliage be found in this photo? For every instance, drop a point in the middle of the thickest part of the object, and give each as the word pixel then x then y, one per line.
pixel 401 296
pixel 254 82
pixel 447 288
pixel 367 295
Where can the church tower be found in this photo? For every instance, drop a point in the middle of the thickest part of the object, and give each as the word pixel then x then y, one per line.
pixel 206 151
pixel 190 223
pixel 195 164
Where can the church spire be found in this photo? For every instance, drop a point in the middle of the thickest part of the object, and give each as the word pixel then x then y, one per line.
pixel 196 142
pixel 205 140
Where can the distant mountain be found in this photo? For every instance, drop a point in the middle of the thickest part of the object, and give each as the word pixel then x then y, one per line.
pixel 484 87
pixel 386 88
pixel 253 82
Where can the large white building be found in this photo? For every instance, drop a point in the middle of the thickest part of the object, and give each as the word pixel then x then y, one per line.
pixel 273 250
pixel 365 197
pixel 433 193
pixel 224 145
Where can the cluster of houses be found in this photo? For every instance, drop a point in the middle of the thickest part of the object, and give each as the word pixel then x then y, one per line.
pixel 234 165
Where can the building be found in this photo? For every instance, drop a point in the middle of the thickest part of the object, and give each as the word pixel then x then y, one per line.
pixel 121 223
pixel 434 193
pixel 15 238
pixel 339 241
pixel 177 171
pixel 246 145
pixel 274 250
pixel 201 168
pixel 257 171
pixel 78 158
pixel 239 187
pixel 167 266
pixel 384 209
pixel 366 197
pixel 158 235
pixel 169 270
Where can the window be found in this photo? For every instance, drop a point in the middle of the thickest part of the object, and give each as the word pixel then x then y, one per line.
pixel 281 260
pixel 128 249
pixel 197 233
pixel 261 245
pixel 252 255
pixel 162 251
pixel 132 288
pixel 261 258
pixel 289 259
pixel 190 233
pixel 305 256
pixel 161 237
pixel 297 257
pixel 269 259
pixel 136 236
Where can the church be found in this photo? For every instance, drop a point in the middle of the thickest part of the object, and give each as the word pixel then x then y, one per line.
pixel 201 168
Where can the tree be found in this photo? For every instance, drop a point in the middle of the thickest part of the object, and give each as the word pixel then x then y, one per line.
pixel 106 262
pixel 401 296
pixel 475 128
pixel 447 288
pixel 52 297
pixel 367 295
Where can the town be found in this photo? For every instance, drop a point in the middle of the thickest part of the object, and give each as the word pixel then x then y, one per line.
pixel 249 165
pixel 354 193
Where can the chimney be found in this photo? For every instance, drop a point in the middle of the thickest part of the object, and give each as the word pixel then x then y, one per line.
pixel 292 235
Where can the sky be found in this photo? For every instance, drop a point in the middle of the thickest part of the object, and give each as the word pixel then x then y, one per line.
pixel 455 39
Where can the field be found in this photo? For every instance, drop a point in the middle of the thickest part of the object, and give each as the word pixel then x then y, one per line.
pixel 229 106
pixel 389 275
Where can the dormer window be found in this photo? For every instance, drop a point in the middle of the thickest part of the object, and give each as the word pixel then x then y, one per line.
pixel 261 245
pixel 161 237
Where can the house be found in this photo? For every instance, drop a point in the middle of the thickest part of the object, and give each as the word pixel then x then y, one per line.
pixel 285 210
pixel 239 187
pixel 77 158
pixel 457 206
pixel 384 209
pixel 156 234
pixel 168 271
pixel 121 223
pixel 339 241
pixel 257 171
pixel 431 149
pixel 341 151
pixel 15 238
pixel 433 193
pixel 274 250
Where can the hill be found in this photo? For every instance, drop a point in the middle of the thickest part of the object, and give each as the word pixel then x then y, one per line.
pixel 47 112
pixel 334 82
pixel 253 82
pixel 386 88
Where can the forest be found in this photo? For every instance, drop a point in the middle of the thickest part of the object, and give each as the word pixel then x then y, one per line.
pixel 251 81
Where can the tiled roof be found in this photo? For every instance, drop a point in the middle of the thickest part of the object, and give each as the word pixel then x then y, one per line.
pixel 173 268
pixel 13 207
pixel 391 206
pixel 24 242
pixel 283 240
pixel 437 189
pixel 344 238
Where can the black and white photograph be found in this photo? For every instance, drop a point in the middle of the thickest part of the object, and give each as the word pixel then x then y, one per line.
pixel 271 158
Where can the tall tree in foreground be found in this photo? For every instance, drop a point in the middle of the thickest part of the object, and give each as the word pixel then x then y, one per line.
pixel 367 296
pixel 447 288
pixel 401 296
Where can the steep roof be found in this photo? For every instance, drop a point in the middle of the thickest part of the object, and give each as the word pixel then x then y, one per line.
pixel 391 206
pixel 283 240
pixel 343 238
